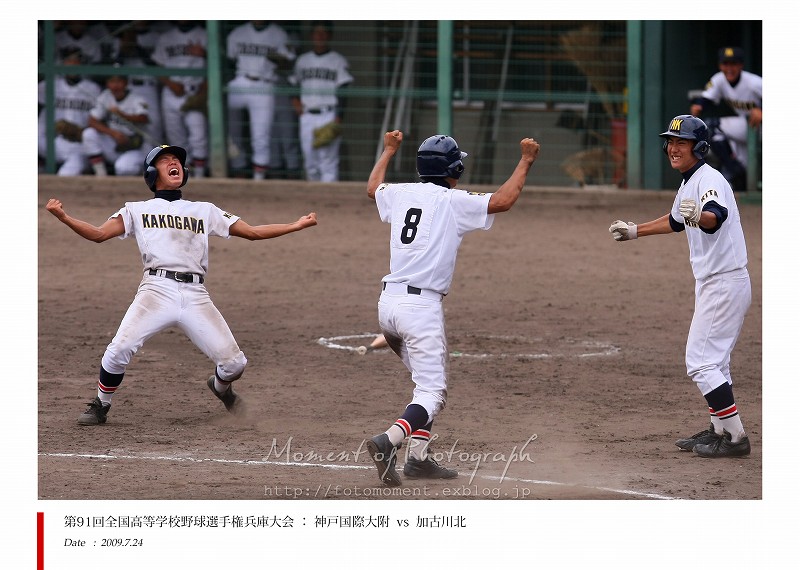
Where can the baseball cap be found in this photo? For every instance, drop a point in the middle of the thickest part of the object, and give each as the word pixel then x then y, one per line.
pixel 732 54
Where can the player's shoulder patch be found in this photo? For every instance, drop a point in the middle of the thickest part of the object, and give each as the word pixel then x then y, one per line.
pixel 382 186
pixel 471 193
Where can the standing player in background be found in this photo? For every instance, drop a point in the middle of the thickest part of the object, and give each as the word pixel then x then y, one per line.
pixel 285 158
pixel 172 234
pixel 259 48
pixel 706 209
pixel 184 97
pixel 75 35
pixel 740 91
pixel 134 49
pixel 115 132
pixel 75 96
pixel 428 221
pixel 320 74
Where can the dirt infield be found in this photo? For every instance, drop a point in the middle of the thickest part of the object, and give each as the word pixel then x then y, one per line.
pixel 566 381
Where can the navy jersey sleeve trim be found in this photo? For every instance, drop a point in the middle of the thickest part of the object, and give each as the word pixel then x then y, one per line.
pixel 675 224
pixel 720 212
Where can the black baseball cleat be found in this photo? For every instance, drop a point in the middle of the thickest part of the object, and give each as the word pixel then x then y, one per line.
pixel 95 414
pixel 427 468
pixel 232 401
pixel 724 447
pixel 700 438
pixel 384 454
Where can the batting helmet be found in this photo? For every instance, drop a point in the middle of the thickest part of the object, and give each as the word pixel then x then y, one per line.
pixel 150 172
pixel 438 157
pixel 688 127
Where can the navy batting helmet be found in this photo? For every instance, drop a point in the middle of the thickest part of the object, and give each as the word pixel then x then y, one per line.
pixel 691 128
pixel 150 172
pixel 438 157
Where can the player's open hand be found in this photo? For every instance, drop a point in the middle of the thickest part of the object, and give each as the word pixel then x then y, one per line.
pixel 55 207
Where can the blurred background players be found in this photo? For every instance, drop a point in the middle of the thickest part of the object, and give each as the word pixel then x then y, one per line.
pixel 135 46
pixel 184 97
pixel 258 48
pixel 285 158
pixel 75 95
pixel 729 103
pixel 115 132
pixel 320 74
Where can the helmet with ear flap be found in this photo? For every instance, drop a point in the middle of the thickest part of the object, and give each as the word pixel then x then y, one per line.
pixel 439 157
pixel 150 171
pixel 691 128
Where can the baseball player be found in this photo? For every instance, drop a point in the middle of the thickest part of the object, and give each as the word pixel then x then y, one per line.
pixel 74 98
pixel 740 91
pixel 428 221
pixel 706 209
pixel 183 97
pixel 172 234
pixel 135 47
pixel 75 35
pixel 258 48
pixel 115 130
pixel 320 73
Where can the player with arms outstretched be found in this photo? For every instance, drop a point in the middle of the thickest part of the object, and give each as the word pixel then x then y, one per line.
pixel 172 234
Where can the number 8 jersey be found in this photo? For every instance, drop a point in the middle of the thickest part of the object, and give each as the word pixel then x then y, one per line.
pixel 428 223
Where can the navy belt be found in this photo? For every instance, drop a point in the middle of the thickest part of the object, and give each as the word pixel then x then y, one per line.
pixel 410 288
pixel 320 110
pixel 177 275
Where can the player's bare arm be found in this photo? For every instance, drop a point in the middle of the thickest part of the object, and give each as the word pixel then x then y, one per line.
pixel 242 229
pixel 505 196
pixel 655 227
pixel 391 142
pixel 111 228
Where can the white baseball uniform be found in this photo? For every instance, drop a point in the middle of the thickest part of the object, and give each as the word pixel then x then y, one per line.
pixel 742 97
pixel 187 129
pixel 74 99
pixel 88 44
pixel 722 287
pixel 319 76
pixel 128 162
pixel 253 87
pixel 147 86
pixel 173 236
pixel 428 223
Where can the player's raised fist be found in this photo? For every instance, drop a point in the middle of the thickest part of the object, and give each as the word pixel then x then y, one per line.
pixel 529 148
pixel 55 207
pixel 392 139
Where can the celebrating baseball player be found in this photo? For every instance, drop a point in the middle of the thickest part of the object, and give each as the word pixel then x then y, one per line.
pixel 706 209
pixel 172 234
pixel 428 221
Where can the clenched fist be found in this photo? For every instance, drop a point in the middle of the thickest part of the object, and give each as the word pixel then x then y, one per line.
pixel 690 210
pixel 623 231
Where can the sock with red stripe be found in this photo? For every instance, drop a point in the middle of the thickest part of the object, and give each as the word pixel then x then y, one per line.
pixel 723 406
pixel 413 418
pixel 418 444
pixel 108 384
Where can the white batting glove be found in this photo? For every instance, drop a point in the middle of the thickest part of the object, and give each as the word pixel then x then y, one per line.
pixel 690 210
pixel 623 231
